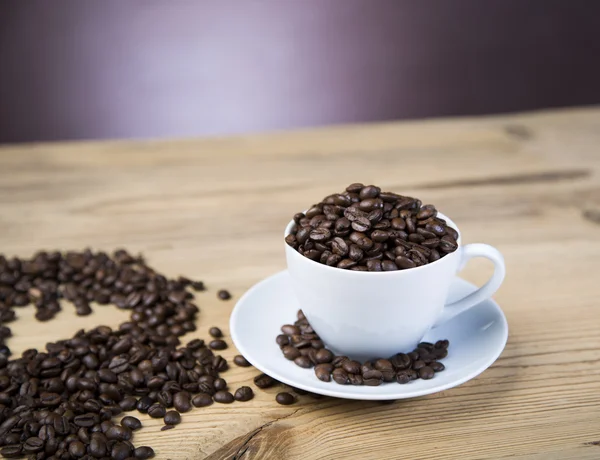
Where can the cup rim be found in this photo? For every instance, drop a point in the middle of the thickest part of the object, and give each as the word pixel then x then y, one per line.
pixel 449 222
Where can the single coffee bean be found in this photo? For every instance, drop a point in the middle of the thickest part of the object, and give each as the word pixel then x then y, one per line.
pixel 223 397
pixel 157 410
pixel 282 340
pixel 388 266
pixel 77 449
pixel 143 452
pixel 290 352
pixel 182 401
pixel 223 294
pixel 323 371
pixel 215 332
pixel 202 400
pixel 426 373
pixel 285 398
pixel 340 376
pixel 172 418
pixel 239 360
pixel 403 377
pixel 352 367
pixel 264 381
pixel 290 330
pixel 324 356
pixel 243 394
pixel 217 344
pixel 437 366
pixel 131 422
pixel 303 361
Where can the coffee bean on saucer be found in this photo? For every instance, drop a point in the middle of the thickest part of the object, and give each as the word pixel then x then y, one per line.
pixel 290 352
pixel 282 340
pixel 426 373
pixel 285 398
pixel 323 371
pixel 239 360
pixel 437 366
pixel 223 294
pixel 303 361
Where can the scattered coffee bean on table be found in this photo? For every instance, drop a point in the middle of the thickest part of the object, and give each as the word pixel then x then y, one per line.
pixel 224 294
pixel 243 394
pixel 215 332
pixel 60 402
pixel 422 362
pixel 217 344
pixel 264 381
pixel 285 398
pixel 172 418
pixel 365 229
pixel 239 360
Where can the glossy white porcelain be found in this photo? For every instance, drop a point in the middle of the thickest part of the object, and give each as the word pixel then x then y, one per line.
pixel 373 314
pixel 477 337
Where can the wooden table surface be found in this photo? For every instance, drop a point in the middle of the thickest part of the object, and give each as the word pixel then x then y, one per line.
pixel 215 210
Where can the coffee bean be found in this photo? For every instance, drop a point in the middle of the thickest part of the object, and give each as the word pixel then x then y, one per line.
pixel 303 361
pixel 290 352
pixel 403 377
pixel 264 381
pixel 77 449
pixel 157 410
pixel 217 344
pixel 243 394
pixel 282 340
pixel 340 376
pixel 239 360
pixel 172 418
pixel 223 397
pixel 131 422
pixel 215 332
pixel 120 451
pixel 437 366
pixel 202 400
pixel 388 266
pixel 143 452
pixel 223 294
pixel 426 373
pixel 323 371
pixel 97 447
pixel 182 401
pixel 285 398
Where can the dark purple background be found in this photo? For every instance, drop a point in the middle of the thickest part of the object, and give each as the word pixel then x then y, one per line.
pixel 72 69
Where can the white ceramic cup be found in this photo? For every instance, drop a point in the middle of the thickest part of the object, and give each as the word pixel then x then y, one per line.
pixel 368 315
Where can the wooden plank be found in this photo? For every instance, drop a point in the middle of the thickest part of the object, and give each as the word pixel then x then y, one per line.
pixel 215 210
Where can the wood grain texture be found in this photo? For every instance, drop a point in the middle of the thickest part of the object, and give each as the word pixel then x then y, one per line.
pixel 215 210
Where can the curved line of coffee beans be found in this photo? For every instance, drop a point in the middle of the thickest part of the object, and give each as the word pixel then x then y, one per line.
pixel 60 403
pixel 302 345
pixel 365 229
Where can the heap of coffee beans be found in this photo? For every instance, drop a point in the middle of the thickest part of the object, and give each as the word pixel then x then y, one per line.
pixel 300 343
pixel 61 403
pixel 365 229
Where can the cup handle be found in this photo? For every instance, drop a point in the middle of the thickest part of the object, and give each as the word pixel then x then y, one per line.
pixel 486 291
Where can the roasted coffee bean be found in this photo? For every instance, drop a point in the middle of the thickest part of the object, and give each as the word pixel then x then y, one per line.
pixel 120 451
pixel 119 433
pixel 323 371
pixel 403 377
pixel 143 452
pixel 223 294
pixel 172 418
pixel 285 398
pixel 77 449
pixel 215 332
pixel 437 366
pixel 340 376
pixel 264 381
pixel 239 360
pixel 223 397
pixel 282 340
pixel 290 352
pixel 324 356
pixel 182 401
pixel 131 422
pixel 157 410
pixel 290 330
pixel 243 394
pixel 202 400
pixel 388 266
pixel 426 373
pixel 352 367
pixel 217 344
pixel 303 361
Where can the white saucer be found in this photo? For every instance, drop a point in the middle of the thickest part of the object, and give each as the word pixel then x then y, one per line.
pixel 477 337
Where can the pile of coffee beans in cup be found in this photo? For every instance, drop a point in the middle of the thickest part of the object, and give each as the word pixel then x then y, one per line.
pixel 300 343
pixel 365 229
pixel 63 402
